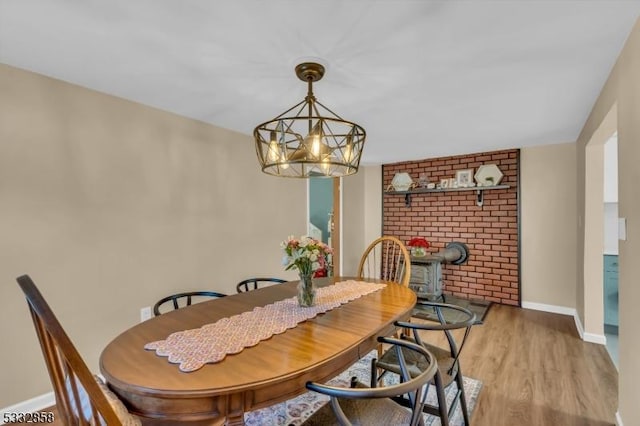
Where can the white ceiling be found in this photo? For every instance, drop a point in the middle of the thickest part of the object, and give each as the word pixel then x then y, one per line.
pixel 424 78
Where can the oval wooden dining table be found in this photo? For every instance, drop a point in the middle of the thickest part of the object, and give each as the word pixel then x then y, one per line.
pixel 274 370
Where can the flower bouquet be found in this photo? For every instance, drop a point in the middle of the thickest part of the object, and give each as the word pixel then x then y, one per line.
pixel 418 246
pixel 307 255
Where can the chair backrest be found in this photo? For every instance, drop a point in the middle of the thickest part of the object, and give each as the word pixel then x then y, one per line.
pixel 465 319
pixel 180 300
pixel 254 283
pixel 388 259
pixel 414 387
pixel 73 383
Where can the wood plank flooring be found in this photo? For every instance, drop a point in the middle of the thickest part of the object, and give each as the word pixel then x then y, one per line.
pixel 536 371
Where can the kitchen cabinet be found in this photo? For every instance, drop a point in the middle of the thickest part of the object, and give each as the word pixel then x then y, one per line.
pixel 611 289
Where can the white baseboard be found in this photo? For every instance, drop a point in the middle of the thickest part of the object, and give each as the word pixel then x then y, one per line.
pixel 29 406
pixel 554 309
pixel 618 419
pixel 563 310
pixel 595 338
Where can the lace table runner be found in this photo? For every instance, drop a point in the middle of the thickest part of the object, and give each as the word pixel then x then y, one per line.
pixel 194 348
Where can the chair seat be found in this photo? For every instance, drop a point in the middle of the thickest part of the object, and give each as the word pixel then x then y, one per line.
pixel 416 365
pixel 86 412
pixel 362 412
pixel 363 405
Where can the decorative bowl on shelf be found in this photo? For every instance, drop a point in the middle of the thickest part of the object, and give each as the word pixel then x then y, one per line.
pixel 488 175
pixel 401 182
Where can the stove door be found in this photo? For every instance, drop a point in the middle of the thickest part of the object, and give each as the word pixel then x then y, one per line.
pixel 426 279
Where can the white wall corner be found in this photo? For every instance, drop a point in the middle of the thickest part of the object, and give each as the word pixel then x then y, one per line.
pixel 29 406
pixel 600 339
pixel 563 310
pixel 618 419
pixel 579 326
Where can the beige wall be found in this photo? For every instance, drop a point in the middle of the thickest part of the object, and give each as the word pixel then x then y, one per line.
pixel 548 224
pixel 110 205
pixel 622 92
pixel 593 219
pixel 362 214
pixel 352 222
pixel 373 202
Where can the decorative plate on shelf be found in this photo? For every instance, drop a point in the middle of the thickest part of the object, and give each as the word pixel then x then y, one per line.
pixel 488 175
pixel 401 182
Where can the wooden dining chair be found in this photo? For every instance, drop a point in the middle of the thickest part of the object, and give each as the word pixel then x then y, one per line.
pixel 361 405
pixel 180 300
pixel 449 370
pixel 388 259
pixel 81 399
pixel 255 283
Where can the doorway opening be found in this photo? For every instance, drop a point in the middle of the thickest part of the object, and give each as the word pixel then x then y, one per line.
pixel 610 274
pixel 323 218
pixel 598 214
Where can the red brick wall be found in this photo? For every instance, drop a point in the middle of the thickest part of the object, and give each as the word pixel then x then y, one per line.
pixel 490 231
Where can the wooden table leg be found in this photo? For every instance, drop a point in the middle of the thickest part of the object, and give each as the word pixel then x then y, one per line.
pixel 237 419
pixel 235 410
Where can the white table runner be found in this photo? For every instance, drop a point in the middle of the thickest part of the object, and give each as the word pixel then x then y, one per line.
pixel 194 348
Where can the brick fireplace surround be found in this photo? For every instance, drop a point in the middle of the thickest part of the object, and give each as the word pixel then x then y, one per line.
pixel 491 231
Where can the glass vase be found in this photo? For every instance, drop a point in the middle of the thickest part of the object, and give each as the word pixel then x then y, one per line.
pixel 306 291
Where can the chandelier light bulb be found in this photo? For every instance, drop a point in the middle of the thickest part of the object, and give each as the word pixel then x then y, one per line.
pixel 315 146
pixel 285 164
pixel 348 149
pixel 274 150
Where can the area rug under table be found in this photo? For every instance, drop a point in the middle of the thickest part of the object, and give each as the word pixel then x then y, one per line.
pixel 295 411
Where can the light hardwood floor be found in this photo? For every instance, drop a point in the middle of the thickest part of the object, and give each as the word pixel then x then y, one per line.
pixel 536 371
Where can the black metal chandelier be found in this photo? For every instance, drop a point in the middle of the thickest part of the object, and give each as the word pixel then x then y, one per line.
pixel 309 139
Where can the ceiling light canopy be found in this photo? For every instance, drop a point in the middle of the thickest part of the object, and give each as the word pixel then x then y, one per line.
pixel 309 139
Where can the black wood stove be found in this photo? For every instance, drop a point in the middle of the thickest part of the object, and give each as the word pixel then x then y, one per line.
pixel 426 271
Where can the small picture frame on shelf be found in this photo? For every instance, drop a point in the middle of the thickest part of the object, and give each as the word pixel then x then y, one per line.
pixel 464 178
pixel 444 183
